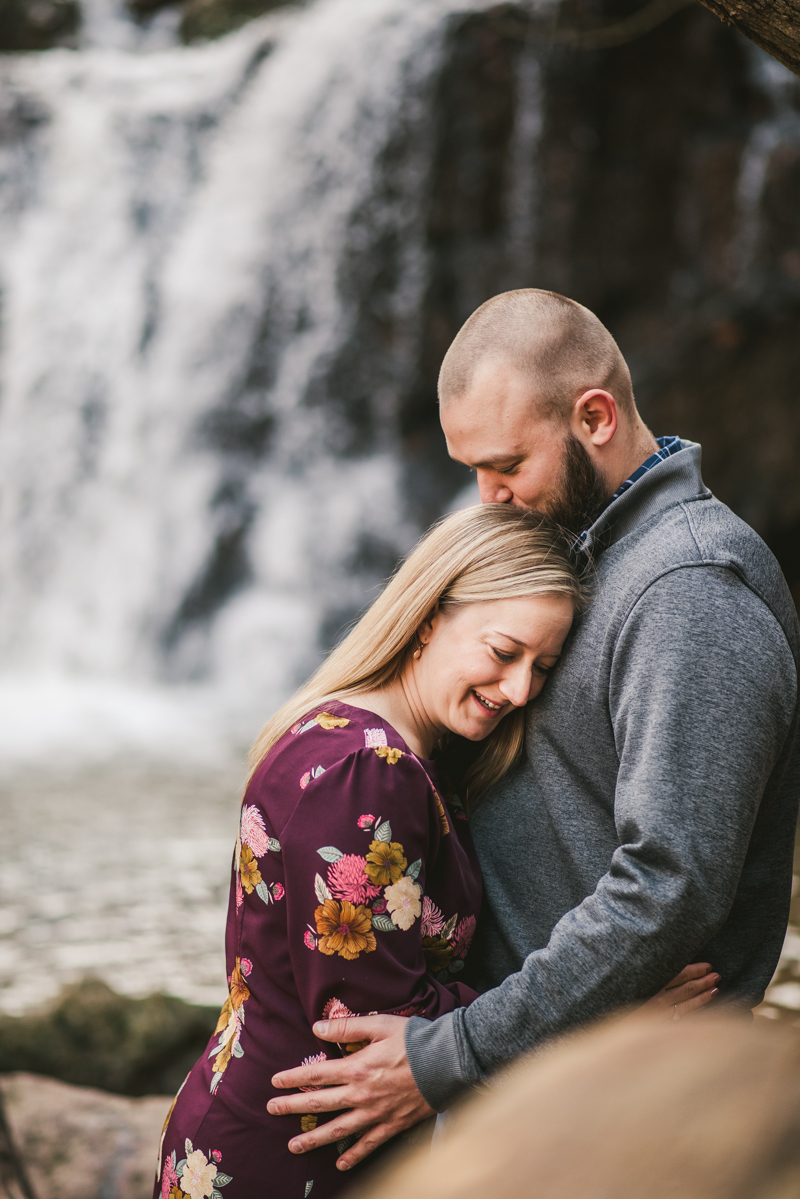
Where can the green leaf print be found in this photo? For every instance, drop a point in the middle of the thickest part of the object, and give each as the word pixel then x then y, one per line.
pixel 383 923
pixel 384 833
pixel 330 853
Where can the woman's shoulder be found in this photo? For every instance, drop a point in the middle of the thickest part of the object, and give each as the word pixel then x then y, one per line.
pixel 332 735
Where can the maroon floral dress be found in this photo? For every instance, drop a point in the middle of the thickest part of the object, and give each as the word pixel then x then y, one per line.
pixel 354 891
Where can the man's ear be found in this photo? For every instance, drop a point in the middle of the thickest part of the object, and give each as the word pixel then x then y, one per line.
pixel 594 416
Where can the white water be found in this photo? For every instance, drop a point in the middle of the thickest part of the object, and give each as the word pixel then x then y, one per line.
pixel 182 233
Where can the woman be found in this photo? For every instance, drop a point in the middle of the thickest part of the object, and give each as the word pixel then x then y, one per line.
pixel 355 889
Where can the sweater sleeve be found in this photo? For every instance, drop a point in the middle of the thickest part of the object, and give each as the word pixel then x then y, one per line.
pixel 356 854
pixel 702 694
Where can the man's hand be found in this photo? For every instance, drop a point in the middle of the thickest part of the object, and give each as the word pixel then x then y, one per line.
pixel 375 1084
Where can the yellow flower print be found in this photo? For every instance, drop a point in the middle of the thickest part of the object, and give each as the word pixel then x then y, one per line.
pixel 444 824
pixel 385 862
pixel 176 1193
pixel 438 953
pixel 326 721
pixel 248 869
pixel 224 1016
pixel 344 928
pixel 388 752
pixel 308 1123
pixel 403 902
pixel 222 1060
pixel 238 987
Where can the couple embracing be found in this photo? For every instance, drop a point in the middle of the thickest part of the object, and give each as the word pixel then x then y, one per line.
pixel 447 857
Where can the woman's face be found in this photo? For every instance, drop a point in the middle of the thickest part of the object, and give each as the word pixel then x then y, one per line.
pixel 483 660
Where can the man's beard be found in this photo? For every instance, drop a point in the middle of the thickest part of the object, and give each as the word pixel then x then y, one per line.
pixel 582 491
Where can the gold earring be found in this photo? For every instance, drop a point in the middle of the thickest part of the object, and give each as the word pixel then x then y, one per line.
pixel 419 649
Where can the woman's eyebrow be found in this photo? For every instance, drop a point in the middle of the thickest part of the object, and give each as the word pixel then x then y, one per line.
pixel 508 637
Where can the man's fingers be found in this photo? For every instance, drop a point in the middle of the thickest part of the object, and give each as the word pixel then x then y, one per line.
pixel 329 1099
pixel 324 1074
pixel 370 1141
pixel 354 1028
pixel 346 1125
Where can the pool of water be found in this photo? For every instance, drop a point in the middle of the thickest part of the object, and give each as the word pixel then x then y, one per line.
pixel 118 872
pixel 123 873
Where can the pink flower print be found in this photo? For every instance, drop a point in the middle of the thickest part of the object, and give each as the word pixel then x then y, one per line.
pixel 336 1010
pixel 277 891
pixel 312 1061
pixel 432 919
pixel 216 1155
pixel 462 938
pixel 305 780
pixel 347 880
pixel 379 905
pixel 366 821
pixel 309 940
pixel 374 737
pixel 245 965
pixel 169 1178
pixel 253 832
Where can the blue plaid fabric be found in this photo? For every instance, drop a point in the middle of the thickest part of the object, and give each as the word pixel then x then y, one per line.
pixel 668 447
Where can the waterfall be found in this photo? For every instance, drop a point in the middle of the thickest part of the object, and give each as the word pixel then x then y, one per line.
pixel 212 267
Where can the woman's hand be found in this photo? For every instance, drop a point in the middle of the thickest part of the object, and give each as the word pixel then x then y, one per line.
pixel 693 988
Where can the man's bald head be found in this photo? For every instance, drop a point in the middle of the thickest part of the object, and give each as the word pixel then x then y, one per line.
pixel 560 346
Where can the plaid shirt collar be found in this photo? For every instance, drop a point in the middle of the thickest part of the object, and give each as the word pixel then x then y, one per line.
pixel 667 446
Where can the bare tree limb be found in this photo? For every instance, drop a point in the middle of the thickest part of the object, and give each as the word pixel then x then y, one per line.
pixel 772 24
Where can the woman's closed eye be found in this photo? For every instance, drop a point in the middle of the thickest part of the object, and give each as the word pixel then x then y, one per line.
pixel 501 657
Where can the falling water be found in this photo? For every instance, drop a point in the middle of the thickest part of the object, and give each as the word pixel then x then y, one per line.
pixel 212 270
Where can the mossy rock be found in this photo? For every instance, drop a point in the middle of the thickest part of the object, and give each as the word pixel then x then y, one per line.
pixel 38 24
pixel 91 1036
pixel 213 18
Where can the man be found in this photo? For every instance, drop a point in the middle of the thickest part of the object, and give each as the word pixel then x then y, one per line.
pixel 652 821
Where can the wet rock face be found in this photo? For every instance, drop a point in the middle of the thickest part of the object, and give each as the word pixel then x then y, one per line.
pixel 38 24
pixel 661 188
pixel 206 19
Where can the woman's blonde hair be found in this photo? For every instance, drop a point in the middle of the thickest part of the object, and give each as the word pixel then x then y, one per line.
pixel 489 552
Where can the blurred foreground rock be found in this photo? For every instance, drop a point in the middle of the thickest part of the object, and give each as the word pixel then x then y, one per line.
pixel 78 1143
pixel 90 1036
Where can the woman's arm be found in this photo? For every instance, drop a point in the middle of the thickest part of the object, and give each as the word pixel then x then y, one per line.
pixel 357 853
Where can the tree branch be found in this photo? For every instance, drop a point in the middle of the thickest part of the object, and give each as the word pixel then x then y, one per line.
pixel 772 24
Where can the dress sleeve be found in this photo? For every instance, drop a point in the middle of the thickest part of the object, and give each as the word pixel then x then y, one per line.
pixel 357 851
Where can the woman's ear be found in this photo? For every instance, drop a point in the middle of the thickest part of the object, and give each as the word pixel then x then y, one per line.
pixel 425 630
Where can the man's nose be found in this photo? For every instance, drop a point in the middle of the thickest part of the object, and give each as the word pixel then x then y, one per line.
pixel 492 490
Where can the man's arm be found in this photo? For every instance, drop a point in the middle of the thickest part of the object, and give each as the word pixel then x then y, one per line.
pixel 702 695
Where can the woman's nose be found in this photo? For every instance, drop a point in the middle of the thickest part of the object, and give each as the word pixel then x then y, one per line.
pixel 516 686
pixel 492 491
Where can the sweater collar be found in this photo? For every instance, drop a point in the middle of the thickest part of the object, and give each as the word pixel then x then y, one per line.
pixel 676 480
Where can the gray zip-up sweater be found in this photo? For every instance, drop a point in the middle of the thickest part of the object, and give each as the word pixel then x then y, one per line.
pixel 652 821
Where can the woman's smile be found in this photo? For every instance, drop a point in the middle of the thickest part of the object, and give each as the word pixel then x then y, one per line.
pixel 488 705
